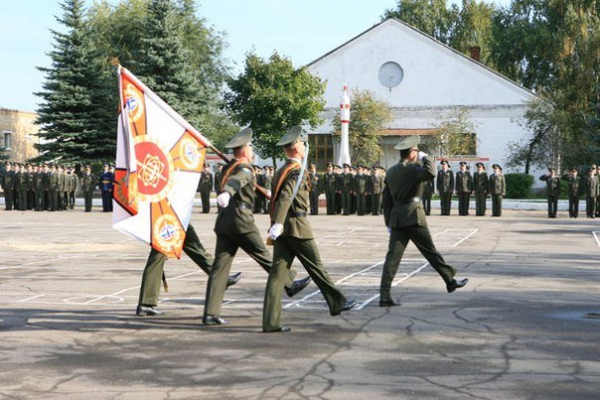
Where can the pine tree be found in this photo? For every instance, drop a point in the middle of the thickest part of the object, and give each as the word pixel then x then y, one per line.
pixel 71 127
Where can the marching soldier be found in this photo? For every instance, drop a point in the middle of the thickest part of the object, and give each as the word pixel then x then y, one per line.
pixel 405 219
pixel 329 186
pixel 205 186
pixel 481 186
pixel 106 185
pixel 315 189
pixel 235 228
pixel 497 190
pixel 591 192
pixel 293 237
pixel 464 188
pixel 445 187
pixel 575 189
pixel 377 185
pixel 8 183
pixel 360 184
pixel 428 189
pixel 552 191
pixel 88 185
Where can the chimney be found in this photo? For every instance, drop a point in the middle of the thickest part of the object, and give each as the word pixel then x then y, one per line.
pixel 476 53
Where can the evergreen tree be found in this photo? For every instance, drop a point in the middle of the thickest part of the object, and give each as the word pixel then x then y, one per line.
pixel 70 126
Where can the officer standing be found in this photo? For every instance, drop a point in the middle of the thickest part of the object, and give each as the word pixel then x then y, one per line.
pixel 38 189
pixel 205 186
pixel 347 187
pixel 53 186
pixel 106 187
pixel 22 186
pixel 315 189
pixel 405 218
pixel 445 187
pixel 8 183
pixel 31 172
pixel 481 187
pixel 497 190
pixel 339 204
pixel 464 188
pixel 329 185
pixel 377 185
pixel 428 189
pixel 235 228
pixel 268 178
pixel 72 182
pixel 88 185
pixel 360 183
pixel 293 236
pixel 591 192
pixel 552 191
pixel 574 188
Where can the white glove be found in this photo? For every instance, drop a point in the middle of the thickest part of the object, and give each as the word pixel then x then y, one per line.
pixel 223 199
pixel 389 230
pixel 421 155
pixel 268 193
pixel 275 231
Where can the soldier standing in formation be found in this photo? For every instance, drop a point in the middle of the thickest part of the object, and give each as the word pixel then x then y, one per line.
pixel 205 186
pixel 293 237
pixel 591 192
pixel 377 188
pixel 22 183
pixel 481 187
pixel 497 190
pixel 314 180
pixel 72 183
pixel 329 187
pixel 346 187
pixel 8 183
pixel 428 189
pixel 445 187
pixel 360 187
pixel 405 218
pixel 32 172
pixel 268 178
pixel 88 185
pixel 574 189
pixel 464 188
pixel 217 184
pixel 552 191
pixel 107 180
pixel 235 228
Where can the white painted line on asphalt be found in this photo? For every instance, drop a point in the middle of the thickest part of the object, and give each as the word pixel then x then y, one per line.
pixel 595 233
pixel 474 231
pixel 30 298
pixel 35 262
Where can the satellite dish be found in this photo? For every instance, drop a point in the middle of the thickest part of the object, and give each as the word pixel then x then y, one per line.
pixel 390 74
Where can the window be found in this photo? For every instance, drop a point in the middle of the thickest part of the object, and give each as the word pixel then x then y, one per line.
pixel 321 150
pixel 7 142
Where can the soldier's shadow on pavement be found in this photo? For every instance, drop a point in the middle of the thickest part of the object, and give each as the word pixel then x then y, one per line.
pixel 20 319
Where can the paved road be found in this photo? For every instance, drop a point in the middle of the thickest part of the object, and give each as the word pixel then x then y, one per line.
pixel 526 326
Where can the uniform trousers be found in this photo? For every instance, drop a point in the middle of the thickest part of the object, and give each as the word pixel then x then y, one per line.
pixel 285 250
pixel 590 205
pixel 480 203
pixel 445 202
pixel 552 206
pixel 330 201
pixel 205 197
pixel 463 203
pixel 226 248
pixel 361 203
pixel 573 206
pixel 314 202
pixel 375 203
pixel 347 203
pixel 496 205
pixel 153 272
pixel 426 205
pixel 421 237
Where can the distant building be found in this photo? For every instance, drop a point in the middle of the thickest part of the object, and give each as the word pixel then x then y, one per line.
pixel 18 134
pixel 422 80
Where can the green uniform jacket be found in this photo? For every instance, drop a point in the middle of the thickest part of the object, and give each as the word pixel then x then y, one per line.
pixel 445 181
pixel 22 181
pixel 237 216
pixel 329 183
pixel 361 182
pixel 297 224
pixel 403 187
pixel 88 183
pixel 464 182
pixel 552 185
pixel 591 186
pixel 377 184
pixel 206 182
pixel 480 182
pixel 497 184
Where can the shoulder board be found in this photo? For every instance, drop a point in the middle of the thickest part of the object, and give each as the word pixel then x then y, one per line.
pixel 246 170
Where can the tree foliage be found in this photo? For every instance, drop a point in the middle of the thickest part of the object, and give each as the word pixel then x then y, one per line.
pixel 272 96
pixel 368 119
pixel 454 134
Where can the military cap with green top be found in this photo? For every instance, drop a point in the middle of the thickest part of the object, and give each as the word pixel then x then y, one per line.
pixel 243 138
pixel 408 142
pixel 291 136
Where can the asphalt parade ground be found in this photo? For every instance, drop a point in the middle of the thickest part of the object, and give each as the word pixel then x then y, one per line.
pixel 527 326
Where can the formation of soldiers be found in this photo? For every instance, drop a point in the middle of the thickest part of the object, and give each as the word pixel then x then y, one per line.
pixel 53 187
pixel 578 186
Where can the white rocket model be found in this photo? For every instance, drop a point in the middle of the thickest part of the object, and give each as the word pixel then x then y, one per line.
pixel 344 155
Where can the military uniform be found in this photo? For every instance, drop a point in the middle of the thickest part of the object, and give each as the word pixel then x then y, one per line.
pixel 294 238
pixel 53 189
pixel 235 228
pixel 106 184
pixel 445 187
pixel 22 186
pixel 481 187
pixel 8 183
pixel 591 192
pixel 72 183
pixel 552 192
pixel 31 187
pixel 405 218
pixel 377 185
pixel 205 186
pixel 497 190
pixel 347 188
pixel 315 190
pixel 361 183
pixel 464 188
pixel 88 185
pixel 267 180
pixel 38 190
pixel 46 174
pixel 575 189
pixel 329 187
pixel 428 189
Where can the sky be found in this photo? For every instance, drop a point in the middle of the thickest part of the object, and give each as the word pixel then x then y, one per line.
pixel 302 30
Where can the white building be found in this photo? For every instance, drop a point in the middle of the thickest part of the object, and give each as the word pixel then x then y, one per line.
pixel 422 80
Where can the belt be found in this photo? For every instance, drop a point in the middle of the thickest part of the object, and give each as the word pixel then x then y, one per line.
pixel 415 199
pixel 247 206
pixel 298 214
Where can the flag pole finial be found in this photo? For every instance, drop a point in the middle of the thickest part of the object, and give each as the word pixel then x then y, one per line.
pixel 114 61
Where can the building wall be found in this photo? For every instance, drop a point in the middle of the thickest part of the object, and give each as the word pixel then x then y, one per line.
pixel 23 131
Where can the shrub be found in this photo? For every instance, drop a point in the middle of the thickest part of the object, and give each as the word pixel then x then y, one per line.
pixel 518 186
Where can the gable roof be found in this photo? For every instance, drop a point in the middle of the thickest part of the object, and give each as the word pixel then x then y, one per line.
pixel 433 42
